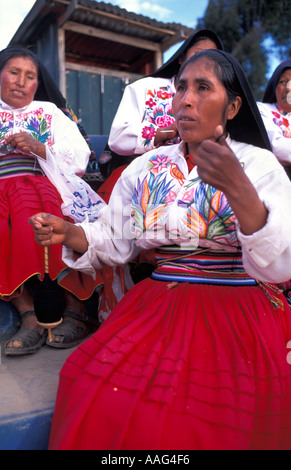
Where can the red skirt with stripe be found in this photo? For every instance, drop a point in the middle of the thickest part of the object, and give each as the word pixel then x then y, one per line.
pixel 181 366
pixel 21 257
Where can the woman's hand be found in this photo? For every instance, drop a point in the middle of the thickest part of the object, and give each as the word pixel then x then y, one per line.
pixel 164 134
pixel 25 143
pixel 48 229
pixel 218 166
pixel 51 230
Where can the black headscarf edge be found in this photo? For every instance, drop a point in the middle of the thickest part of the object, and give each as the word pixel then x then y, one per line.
pixel 247 126
pixel 270 91
pixel 172 66
pixel 249 116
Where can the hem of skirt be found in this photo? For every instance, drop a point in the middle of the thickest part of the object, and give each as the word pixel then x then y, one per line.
pixel 62 276
pixel 13 294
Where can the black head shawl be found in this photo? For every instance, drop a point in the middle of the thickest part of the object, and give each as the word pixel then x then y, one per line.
pixel 270 91
pixel 172 66
pixel 47 89
pixel 247 126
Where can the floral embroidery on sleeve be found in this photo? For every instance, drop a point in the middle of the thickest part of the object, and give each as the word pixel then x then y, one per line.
pixel 158 112
pixel 148 133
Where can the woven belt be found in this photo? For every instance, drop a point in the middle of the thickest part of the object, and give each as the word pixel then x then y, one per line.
pixel 201 266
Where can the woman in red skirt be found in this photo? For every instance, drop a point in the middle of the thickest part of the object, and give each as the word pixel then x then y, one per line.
pixel 196 357
pixel 42 156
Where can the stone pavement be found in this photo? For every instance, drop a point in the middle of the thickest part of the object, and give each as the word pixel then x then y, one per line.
pixel 28 387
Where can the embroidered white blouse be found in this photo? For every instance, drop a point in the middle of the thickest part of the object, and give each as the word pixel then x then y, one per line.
pixel 67 152
pixel 146 105
pixel 158 202
pixel 278 126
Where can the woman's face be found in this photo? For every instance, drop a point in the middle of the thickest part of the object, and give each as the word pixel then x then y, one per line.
pixel 18 81
pixel 201 103
pixel 283 91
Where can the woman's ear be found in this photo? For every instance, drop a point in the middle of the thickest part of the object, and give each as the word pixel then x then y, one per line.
pixel 233 108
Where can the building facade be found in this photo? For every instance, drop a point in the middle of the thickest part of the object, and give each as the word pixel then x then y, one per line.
pixel 93 50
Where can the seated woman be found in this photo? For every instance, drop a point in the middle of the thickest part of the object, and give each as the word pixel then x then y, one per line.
pixel 144 119
pixel 276 113
pixel 42 158
pixel 196 356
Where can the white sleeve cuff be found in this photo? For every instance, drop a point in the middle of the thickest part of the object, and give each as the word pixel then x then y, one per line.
pixel 265 246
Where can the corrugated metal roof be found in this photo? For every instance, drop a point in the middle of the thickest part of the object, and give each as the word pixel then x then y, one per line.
pixel 137 25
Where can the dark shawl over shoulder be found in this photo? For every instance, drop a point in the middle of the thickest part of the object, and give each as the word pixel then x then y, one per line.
pixel 247 126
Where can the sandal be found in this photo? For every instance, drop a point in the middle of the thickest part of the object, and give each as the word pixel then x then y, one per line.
pixel 73 334
pixel 31 340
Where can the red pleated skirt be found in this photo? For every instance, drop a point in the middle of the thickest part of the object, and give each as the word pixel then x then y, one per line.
pixel 183 367
pixel 21 257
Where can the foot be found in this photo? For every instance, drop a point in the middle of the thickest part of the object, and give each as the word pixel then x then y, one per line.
pixel 71 332
pixel 59 338
pixel 29 338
